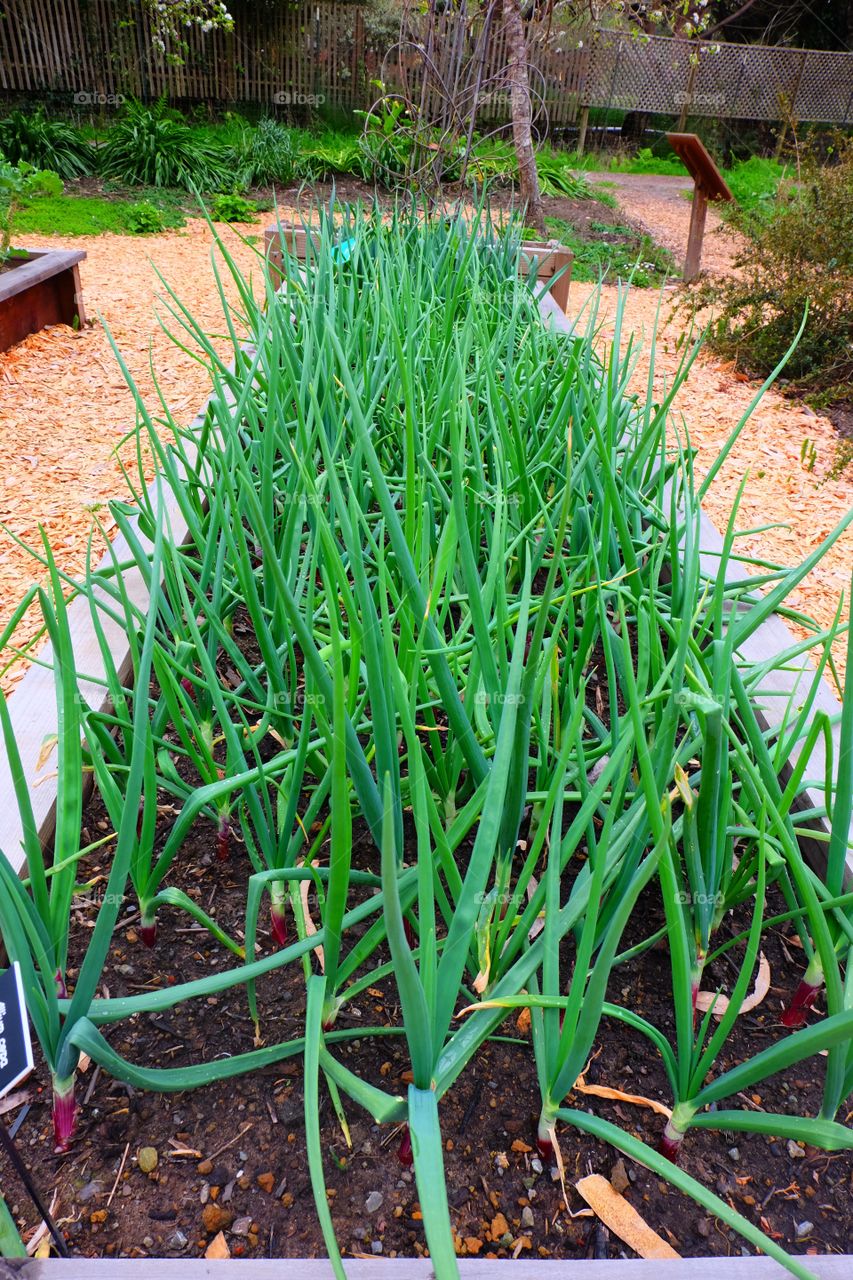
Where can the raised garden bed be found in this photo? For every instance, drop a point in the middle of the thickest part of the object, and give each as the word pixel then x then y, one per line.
pixel 39 290
pixel 545 261
pixel 490 1148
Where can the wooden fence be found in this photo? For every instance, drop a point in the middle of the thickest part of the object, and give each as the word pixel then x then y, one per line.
pixel 308 54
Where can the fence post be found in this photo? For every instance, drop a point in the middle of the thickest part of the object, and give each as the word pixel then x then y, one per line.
pixel 688 97
pixel 582 128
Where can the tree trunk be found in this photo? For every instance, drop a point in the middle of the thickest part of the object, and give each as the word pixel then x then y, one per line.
pixel 531 197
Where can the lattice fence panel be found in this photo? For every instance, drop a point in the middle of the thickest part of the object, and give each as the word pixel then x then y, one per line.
pixel 629 74
pixel 826 91
pixel 735 81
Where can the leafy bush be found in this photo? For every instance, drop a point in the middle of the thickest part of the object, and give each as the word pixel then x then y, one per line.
pixel 45 144
pixel 332 152
pixel 755 184
pixel 150 146
pixel 645 161
pixel 144 218
pixel 800 257
pixel 18 183
pixel 386 149
pixel 233 208
pixel 267 155
pixel 496 159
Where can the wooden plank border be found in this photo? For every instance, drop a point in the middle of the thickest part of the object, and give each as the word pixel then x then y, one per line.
pixel 33 712
pixel 549 259
pixel 753 1268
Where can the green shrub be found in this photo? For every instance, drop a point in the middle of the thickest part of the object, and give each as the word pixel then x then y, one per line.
pixel 755 184
pixel 267 155
pixel 645 161
pixel 45 144
pixel 233 208
pixel 144 218
pixel 151 146
pixel 19 183
pixel 800 257
pixel 496 159
pixel 386 148
pixel 330 152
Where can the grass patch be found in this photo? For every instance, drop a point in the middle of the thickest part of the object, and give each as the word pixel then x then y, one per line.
pixel 754 183
pixel 89 215
pixel 615 250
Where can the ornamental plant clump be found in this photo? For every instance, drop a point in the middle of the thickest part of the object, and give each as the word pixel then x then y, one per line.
pixel 20 183
pixel 152 146
pixel 483 639
pixel 30 137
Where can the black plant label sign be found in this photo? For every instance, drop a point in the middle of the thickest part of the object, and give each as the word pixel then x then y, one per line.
pixel 16 1050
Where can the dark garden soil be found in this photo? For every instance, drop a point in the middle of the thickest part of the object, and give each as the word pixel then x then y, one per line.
pixel 840 415
pixel 231 1156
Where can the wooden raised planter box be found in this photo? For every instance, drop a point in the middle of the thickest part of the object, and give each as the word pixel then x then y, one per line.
pixel 41 289
pixel 33 716
pixel 553 262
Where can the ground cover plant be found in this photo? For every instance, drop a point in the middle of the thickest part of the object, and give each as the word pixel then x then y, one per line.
pixel 139 211
pixel 21 184
pixel 797 260
pixel 440 606
pixel 612 249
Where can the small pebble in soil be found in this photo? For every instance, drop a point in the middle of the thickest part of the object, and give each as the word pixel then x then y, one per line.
pixel 178 1241
pixel 795 1151
pixel 619 1176
pixel 373 1202
pixel 734 1153
pixel 87 1193
pixel 147 1159
pixel 536 1165
pixel 804 1229
pixel 376 1246
pixel 241 1226
pixel 215 1219
pixel 527 1216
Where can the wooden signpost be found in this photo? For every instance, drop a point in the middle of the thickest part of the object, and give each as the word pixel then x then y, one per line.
pixel 708 184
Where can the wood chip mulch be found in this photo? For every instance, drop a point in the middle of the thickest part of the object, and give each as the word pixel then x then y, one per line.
pixel 64 408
